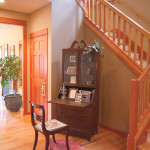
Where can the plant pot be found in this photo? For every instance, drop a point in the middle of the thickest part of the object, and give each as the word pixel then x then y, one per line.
pixel 13 103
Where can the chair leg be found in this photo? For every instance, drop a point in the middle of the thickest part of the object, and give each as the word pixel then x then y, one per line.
pixel 67 145
pixel 36 139
pixel 54 138
pixel 47 142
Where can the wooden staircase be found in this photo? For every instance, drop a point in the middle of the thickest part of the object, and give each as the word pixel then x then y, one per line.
pixel 131 43
pixel 128 40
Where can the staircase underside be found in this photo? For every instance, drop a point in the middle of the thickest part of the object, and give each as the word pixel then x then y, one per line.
pixel 118 51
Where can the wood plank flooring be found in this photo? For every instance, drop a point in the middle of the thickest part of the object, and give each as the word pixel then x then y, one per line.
pixel 16 133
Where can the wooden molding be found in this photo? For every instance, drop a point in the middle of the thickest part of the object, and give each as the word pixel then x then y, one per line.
pixel 114 130
pixel 124 57
pixel 39 33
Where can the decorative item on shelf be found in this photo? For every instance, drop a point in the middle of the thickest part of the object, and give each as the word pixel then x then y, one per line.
pixel 63 92
pixel 85 95
pixel 71 70
pixel 72 93
pixel 96 47
pixel 78 97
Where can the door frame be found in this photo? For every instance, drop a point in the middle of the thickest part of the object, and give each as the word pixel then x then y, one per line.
pixel 22 23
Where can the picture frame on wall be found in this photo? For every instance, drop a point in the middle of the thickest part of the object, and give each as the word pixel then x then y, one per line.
pixel 1 54
pixel 12 50
pixel 5 50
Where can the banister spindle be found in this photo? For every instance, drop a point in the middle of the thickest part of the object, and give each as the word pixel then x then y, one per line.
pixel 114 24
pixel 148 51
pixel 100 15
pixel 109 22
pixel 124 34
pixel 141 54
pixel 104 18
pixel 129 42
pixel 96 13
pixel 119 30
pixel 135 45
pixel 93 10
pixel 89 8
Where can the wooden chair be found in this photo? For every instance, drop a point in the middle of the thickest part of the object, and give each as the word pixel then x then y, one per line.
pixel 47 128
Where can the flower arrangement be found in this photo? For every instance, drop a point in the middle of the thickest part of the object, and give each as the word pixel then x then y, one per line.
pixel 96 46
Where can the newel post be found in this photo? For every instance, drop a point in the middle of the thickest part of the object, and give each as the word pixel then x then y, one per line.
pixel 133 118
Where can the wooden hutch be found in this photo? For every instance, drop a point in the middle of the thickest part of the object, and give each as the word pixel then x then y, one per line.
pixel 80 73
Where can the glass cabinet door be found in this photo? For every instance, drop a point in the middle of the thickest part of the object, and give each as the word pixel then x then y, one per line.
pixel 70 68
pixel 87 69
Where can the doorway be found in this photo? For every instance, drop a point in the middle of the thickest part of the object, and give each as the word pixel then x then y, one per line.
pixel 24 56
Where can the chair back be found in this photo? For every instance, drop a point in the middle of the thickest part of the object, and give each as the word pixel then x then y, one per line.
pixel 36 116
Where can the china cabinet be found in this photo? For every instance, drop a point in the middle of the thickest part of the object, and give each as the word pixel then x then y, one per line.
pixel 77 103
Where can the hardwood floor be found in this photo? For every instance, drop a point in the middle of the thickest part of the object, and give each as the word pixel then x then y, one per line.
pixel 16 133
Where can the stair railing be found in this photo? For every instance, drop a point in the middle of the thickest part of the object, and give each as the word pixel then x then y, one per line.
pixel 139 108
pixel 113 22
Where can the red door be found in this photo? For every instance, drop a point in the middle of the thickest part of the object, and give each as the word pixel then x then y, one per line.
pixel 38 68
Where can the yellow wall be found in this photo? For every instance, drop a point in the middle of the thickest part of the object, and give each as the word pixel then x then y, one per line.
pixel 115 88
pixel 39 20
pixel 12 37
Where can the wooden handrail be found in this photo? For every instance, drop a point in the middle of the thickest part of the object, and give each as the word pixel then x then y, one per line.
pixel 126 18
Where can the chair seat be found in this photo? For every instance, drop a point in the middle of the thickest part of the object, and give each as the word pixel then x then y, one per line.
pixel 51 125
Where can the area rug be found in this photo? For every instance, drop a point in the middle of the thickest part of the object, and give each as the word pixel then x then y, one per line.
pixel 61 145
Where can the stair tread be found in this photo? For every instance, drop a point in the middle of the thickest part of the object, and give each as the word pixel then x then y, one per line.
pixel 144 146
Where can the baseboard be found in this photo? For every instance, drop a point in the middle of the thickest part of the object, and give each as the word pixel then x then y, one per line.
pixel 114 130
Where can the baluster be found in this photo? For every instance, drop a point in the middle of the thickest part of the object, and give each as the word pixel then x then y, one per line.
pixel 129 42
pixel 135 45
pixel 119 30
pixel 100 15
pixel 109 22
pixel 148 51
pixel 96 13
pixel 104 18
pixel 114 23
pixel 93 10
pixel 89 10
pixel 141 54
pixel 124 34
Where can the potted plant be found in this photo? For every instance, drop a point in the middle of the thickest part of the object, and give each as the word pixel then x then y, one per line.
pixel 10 70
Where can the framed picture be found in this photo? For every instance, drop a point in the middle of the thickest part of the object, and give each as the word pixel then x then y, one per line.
pixel 73 79
pixel 86 95
pixel 5 50
pixel 12 50
pixel 71 70
pixel 72 59
pixel 78 97
pixel 72 93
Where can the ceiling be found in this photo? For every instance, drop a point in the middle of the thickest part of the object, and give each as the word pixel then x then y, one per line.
pixel 24 6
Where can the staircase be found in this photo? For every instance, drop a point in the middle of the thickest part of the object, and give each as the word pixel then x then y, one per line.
pixel 128 40
pixel 131 43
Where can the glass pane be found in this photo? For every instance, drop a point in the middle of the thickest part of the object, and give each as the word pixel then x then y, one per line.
pixel 87 69
pixel 70 62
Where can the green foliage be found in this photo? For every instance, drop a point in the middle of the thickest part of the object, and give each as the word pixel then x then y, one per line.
pixel 11 65
pixel 95 46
